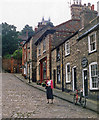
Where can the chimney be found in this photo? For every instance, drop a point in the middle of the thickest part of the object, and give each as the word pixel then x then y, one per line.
pixel 27 34
pixel 92 7
pixel 36 29
pixel 89 6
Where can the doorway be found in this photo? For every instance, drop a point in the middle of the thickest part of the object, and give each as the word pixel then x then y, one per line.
pixel 74 76
pixel 85 83
pixel 54 78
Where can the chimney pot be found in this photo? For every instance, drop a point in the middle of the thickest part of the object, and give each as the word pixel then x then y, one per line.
pixel 35 29
pixel 92 7
pixel 89 4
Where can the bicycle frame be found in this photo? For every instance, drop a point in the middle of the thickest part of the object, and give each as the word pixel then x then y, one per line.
pixel 81 100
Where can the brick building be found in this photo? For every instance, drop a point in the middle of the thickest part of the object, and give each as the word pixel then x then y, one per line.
pixel 43 38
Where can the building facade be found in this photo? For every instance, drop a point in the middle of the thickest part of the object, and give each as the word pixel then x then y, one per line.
pixel 75 61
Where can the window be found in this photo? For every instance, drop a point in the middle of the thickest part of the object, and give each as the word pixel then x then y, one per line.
pixel 92 42
pixel 58 55
pixel 67 48
pixel 44 69
pixel 68 74
pixel 58 75
pixel 93 69
pixel 39 49
pixel 44 45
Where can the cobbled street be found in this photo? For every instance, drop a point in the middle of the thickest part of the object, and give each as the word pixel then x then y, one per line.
pixel 20 100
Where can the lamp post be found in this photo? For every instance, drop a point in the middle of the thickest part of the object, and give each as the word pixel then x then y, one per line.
pixel 29 70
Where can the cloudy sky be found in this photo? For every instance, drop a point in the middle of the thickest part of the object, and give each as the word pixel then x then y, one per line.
pixel 22 12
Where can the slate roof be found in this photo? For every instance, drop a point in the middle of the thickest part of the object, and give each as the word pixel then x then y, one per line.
pixel 40 32
pixel 64 30
pixel 88 31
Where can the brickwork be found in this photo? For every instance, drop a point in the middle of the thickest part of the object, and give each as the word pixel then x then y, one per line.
pixel 43 55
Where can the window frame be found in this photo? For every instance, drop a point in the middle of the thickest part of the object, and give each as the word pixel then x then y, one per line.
pixel 67 50
pixel 44 45
pixel 58 67
pixel 58 54
pixel 89 42
pixel 67 81
pixel 39 49
pixel 90 75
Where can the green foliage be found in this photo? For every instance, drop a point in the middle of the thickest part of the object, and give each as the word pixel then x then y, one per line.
pixel 7 56
pixel 9 39
pixel 28 29
pixel 17 54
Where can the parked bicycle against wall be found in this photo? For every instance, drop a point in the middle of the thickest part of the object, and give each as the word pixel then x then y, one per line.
pixel 81 100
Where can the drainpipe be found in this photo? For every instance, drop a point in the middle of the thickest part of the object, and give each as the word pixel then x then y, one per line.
pixel 62 72
pixel 50 56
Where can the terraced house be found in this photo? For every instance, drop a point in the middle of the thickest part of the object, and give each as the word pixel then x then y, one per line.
pixel 75 60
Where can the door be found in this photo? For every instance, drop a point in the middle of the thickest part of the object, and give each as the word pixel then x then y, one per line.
pixel 54 78
pixel 85 83
pixel 74 78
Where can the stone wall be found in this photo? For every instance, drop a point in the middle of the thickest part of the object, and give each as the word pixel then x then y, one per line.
pixel 78 50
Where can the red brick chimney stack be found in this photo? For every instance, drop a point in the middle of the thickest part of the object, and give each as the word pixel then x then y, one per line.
pixel 92 7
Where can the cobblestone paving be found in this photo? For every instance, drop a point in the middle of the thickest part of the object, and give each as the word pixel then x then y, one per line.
pixel 22 101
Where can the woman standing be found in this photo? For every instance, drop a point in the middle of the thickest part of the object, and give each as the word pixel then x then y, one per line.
pixel 49 90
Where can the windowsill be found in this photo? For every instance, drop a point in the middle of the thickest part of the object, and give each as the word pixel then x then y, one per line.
pixel 92 52
pixel 39 55
pixel 44 51
pixel 67 55
pixel 69 82
pixel 94 90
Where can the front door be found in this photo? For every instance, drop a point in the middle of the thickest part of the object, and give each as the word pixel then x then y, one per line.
pixel 54 78
pixel 74 79
pixel 43 69
pixel 85 83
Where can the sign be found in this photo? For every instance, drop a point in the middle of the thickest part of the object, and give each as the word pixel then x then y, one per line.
pixel 84 62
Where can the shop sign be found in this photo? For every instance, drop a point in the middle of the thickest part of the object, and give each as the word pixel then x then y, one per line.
pixel 84 62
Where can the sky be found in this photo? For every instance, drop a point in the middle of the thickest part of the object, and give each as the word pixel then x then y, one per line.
pixel 22 12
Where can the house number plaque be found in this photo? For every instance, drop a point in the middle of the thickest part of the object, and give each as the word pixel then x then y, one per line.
pixel 84 62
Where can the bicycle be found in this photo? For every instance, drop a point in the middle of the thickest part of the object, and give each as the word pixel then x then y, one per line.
pixel 81 100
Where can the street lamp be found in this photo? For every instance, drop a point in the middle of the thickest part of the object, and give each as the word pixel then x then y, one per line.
pixel 29 70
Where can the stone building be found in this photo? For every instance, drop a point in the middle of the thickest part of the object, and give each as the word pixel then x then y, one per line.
pixel 75 61
pixel 43 43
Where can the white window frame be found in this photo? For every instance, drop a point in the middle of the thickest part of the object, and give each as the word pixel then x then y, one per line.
pixel 90 51
pixel 68 81
pixel 67 50
pixel 39 48
pixel 73 76
pixel 93 63
pixel 44 45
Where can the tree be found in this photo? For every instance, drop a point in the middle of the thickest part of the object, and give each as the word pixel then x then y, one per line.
pixel 9 39
pixel 17 54
pixel 27 29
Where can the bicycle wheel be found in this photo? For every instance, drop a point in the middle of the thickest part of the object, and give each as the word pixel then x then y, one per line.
pixel 74 100
pixel 84 103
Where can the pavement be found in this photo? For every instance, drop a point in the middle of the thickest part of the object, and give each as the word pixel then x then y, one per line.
pixel 91 104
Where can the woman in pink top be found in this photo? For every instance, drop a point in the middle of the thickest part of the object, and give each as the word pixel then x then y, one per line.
pixel 49 91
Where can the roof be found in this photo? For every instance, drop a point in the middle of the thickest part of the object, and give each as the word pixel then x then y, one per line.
pixel 65 40
pixel 64 30
pixel 88 31
pixel 49 31
pixel 37 35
